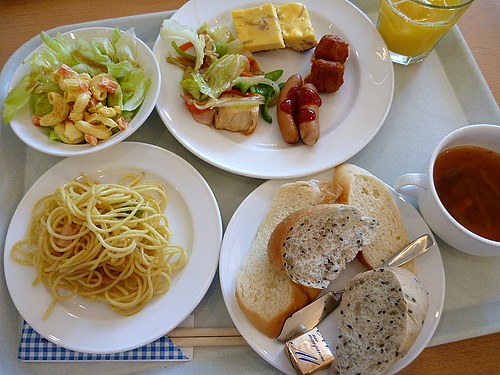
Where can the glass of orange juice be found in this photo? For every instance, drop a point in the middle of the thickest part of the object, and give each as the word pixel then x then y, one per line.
pixel 411 28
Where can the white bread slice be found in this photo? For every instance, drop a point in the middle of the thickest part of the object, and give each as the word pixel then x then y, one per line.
pixel 381 315
pixel 313 245
pixel 265 296
pixel 365 191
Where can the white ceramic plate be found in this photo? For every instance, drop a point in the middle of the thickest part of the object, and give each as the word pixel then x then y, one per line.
pixel 38 138
pixel 239 236
pixel 195 222
pixel 349 118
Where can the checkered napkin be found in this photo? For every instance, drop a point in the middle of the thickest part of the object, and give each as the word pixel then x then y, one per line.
pixel 35 348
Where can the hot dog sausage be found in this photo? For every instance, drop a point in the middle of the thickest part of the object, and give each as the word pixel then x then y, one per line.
pixel 308 103
pixel 285 109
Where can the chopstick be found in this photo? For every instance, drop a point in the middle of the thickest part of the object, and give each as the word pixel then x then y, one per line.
pixel 206 337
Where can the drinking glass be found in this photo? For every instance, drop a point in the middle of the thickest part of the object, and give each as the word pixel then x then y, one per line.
pixel 412 28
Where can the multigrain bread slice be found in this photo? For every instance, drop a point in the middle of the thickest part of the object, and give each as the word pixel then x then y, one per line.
pixel 381 315
pixel 265 296
pixel 313 245
pixel 363 190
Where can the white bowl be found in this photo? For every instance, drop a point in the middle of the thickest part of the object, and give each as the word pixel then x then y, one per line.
pixel 38 138
pixel 421 186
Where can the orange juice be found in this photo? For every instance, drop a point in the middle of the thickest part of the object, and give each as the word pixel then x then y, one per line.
pixel 413 27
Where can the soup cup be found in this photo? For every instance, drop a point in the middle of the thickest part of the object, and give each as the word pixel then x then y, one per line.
pixel 421 186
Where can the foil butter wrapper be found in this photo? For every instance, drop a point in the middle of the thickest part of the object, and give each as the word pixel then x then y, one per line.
pixel 309 352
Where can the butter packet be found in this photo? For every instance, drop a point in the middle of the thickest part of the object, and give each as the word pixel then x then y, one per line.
pixel 309 352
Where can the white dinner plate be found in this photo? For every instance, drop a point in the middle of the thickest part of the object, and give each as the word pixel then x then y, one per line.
pixel 349 118
pixel 194 220
pixel 239 236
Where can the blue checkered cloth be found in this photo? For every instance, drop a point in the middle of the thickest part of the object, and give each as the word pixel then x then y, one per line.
pixel 37 348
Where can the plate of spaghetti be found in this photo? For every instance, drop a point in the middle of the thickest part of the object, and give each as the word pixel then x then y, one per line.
pixel 108 252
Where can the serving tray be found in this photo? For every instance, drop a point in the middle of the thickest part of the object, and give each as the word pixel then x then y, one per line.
pixel 445 92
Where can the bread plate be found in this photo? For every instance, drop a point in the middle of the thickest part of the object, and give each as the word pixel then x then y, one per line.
pixel 236 243
pixel 349 118
pixel 195 223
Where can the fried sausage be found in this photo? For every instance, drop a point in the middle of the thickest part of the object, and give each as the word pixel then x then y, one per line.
pixel 307 117
pixel 286 109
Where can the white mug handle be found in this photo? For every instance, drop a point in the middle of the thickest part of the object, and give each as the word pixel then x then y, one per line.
pixel 411 184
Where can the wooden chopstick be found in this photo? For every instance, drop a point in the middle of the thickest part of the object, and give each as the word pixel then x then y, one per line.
pixel 209 332
pixel 206 337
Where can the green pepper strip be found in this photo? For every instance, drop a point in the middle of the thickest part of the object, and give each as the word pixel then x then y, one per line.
pixel 182 53
pixel 268 92
pixel 243 86
pixel 274 75
pixel 262 89
pixel 264 112
pixel 221 48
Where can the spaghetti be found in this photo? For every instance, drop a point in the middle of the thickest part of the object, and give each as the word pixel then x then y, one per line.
pixel 105 242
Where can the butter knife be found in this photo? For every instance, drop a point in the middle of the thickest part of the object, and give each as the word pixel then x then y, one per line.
pixel 309 316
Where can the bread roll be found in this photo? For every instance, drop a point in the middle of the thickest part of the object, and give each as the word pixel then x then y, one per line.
pixel 381 315
pixel 313 245
pixel 365 191
pixel 265 296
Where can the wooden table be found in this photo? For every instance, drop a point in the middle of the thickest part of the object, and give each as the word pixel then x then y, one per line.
pixel 20 20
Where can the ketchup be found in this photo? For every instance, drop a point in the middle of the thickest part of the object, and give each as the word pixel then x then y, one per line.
pixel 297 100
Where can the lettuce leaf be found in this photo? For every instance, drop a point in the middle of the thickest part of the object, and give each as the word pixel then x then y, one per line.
pixel 121 69
pixel 138 96
pixel 17 98
pixel 86 53
pixel 173 30
pixel 218 78
pixel 41 104
pixel 105 47
pixel 126 48
pixel 134 87
pixel 59 47
pixel 221 34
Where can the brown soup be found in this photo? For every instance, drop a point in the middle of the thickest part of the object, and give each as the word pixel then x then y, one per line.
pixel 467 180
